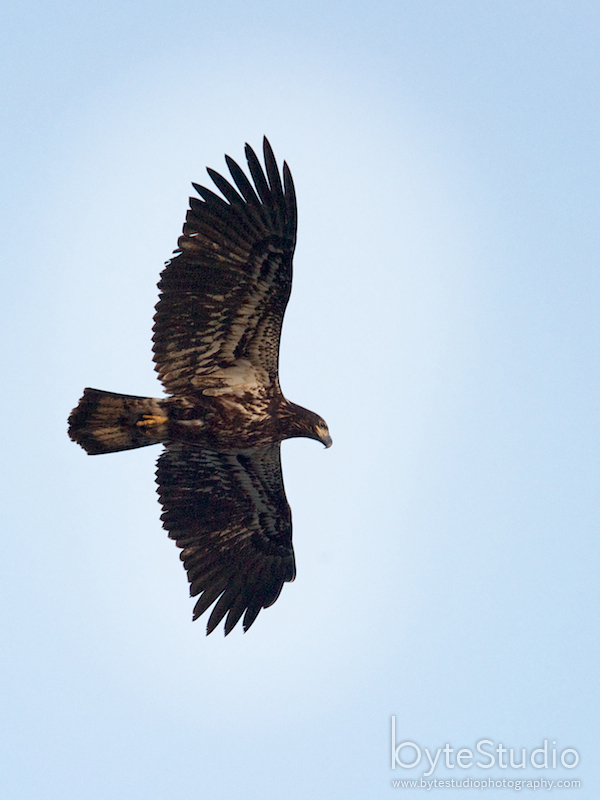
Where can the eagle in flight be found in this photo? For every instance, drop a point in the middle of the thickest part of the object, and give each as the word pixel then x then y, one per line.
pixel 216 346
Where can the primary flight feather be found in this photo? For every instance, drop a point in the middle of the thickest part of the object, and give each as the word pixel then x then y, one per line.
pixel 216 346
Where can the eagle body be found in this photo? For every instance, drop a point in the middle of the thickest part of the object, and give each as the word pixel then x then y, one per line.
pixel 216 347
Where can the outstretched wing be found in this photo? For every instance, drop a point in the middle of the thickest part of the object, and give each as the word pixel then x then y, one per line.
pixel 229 514
pixel 223 295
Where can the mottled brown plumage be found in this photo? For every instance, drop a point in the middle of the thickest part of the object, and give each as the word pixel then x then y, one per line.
pixel 216 347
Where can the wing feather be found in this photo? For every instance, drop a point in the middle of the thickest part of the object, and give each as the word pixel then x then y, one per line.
pixel 225 188
pixel 224 293
pixel 273 174
pixel 258 176
pixel 242 182
pixel 229 515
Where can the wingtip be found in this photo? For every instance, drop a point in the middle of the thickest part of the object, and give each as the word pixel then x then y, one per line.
pixel 268 150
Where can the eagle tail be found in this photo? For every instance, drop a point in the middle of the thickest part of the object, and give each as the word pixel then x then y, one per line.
pixel 105 422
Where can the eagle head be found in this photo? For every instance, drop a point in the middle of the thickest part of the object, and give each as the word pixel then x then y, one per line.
pixel 314 427
pixel 298 421
pixel 322 432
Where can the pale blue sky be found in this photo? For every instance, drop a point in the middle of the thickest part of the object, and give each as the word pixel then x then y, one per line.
pixel 444 321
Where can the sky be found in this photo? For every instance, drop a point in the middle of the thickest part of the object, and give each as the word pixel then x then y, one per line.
pixel 443 320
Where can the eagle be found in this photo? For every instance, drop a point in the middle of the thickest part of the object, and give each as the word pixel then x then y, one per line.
pixel 216 339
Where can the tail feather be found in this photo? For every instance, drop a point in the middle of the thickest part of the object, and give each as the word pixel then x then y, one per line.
pixel 105 422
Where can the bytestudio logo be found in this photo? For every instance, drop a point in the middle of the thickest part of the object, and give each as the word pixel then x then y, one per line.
pixel 485 755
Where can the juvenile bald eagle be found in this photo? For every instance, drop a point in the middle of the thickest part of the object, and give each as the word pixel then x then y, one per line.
pixel 216 346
